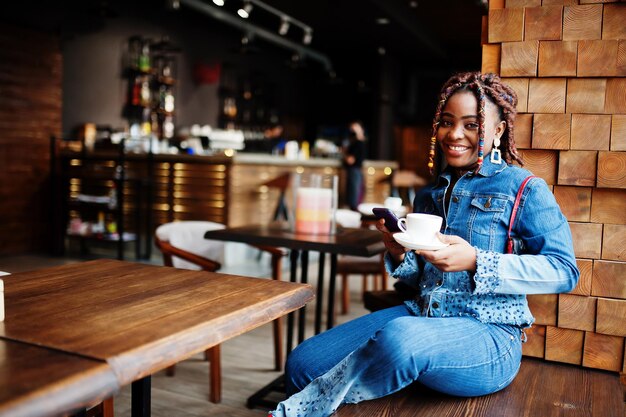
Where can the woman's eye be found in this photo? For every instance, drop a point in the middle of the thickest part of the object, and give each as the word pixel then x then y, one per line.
pixel 446 123
pixel 472 126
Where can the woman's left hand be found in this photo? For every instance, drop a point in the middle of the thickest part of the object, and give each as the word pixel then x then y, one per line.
pixel 458 256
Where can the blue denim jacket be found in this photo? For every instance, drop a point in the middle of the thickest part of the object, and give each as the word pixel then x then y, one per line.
pixel 479 212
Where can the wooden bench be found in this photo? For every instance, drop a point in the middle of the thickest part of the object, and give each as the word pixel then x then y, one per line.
pixel 541 389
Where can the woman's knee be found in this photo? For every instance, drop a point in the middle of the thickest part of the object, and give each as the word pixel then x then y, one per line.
pixel 298 369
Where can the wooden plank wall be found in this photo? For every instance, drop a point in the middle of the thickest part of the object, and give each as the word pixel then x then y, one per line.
pixel 567 61
pixel 30 111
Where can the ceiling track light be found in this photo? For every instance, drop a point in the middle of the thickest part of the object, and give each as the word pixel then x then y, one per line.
pixel 245 11
pixel 173 4
pixel 284 26
pixel 272 36
pixel 308 36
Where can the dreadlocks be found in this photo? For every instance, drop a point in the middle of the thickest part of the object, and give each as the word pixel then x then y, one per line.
pixel 484 87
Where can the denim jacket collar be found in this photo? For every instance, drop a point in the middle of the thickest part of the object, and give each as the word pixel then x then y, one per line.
pixel 488 169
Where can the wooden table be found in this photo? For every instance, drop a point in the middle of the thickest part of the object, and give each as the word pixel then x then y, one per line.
pixel 139 318
pixel 38 382
pixel 346 241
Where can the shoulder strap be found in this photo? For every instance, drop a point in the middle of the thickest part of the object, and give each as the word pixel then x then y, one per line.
pixel 518 197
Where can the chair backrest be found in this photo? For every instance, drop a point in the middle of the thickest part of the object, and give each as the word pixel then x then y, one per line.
pixel 183 245
pixel 348 218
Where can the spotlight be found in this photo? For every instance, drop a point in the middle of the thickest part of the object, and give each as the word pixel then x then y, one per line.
pixel 308 36
pixel 284 26
pixel 173 4
pixel 218 2
pixel 244 12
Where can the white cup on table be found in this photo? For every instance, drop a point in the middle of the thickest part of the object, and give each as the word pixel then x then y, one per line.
pixel 393 203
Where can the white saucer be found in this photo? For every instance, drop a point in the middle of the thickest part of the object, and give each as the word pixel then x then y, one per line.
pixel 366 209
pixel 405 240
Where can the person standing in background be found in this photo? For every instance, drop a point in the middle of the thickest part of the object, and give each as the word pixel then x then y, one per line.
pixel 353 156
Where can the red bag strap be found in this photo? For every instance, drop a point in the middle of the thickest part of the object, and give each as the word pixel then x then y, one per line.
pixel 518 197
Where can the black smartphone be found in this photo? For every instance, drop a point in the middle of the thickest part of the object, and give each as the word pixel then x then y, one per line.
pixel 391 221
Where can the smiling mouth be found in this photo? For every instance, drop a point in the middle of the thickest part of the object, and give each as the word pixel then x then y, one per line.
pixel 457 148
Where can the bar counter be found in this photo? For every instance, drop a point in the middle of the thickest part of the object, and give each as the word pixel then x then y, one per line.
pixel 159 188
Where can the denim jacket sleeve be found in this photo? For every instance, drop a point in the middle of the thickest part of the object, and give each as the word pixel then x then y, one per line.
pixel 408 271
pixel 549 265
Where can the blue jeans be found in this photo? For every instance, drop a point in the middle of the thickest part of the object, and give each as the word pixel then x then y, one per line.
pixel 383 352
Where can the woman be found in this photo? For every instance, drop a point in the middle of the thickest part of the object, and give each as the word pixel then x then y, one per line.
pixel 462 333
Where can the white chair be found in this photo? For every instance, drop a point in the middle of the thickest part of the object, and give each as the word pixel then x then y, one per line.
pixel 357 265
pixel 183 246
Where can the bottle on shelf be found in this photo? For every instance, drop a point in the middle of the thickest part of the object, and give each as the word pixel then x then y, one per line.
pixel 112 204
pixel 145 94
pixel 134 52
pixel 144 56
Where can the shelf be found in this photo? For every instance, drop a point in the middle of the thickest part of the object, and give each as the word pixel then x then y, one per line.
pixel 92 199
pixel 128 237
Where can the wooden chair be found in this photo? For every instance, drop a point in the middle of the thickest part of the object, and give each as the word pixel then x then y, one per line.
pixel 169 238
pixel 281 183
pixel 104 409
pixel 404 184
pixel 357 265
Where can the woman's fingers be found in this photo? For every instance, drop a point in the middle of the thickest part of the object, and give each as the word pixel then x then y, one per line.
pixel 458 256
pixel 396 250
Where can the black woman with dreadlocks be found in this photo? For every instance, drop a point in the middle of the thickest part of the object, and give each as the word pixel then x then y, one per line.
pixel 461 333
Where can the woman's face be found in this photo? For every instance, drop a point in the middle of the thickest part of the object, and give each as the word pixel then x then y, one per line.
pixel 457 133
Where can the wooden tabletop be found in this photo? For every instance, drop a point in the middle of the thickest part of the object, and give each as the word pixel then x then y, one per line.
pixel 139 318
pixel 37 382
pixel 346 241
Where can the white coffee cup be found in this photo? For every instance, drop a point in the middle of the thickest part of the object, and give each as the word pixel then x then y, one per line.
pixel 421 228
pixel 393 203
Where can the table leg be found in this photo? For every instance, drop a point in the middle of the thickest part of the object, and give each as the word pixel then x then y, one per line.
pixel 258 398
pixel 319 305
pixel 140 397
pixel 330 321
pixel 293 276
pixel 304 278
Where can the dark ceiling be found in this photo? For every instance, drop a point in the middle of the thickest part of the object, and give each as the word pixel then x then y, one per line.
pixel 433 34
pixel 424 42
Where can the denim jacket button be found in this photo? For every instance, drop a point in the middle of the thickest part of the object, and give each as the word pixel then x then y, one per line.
pixel 455 199
pixel 439 283
pixel 435 305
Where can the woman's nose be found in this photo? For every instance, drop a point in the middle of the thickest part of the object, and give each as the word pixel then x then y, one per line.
pixel 456 132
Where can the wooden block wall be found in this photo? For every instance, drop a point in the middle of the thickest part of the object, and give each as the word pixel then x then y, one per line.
pixel 30 111
pixel 566 59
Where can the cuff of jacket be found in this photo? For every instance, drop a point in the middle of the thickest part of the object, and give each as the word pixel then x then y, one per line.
pixel 486 277
pixel 407 268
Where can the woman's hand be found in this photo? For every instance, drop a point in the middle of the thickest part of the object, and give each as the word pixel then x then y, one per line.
pixel 396 250
pixel 459 256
